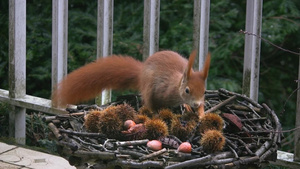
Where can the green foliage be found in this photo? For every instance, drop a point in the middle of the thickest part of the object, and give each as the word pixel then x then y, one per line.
pixel 128 28
pixel 279 69
pixel 37 133
pixel 4 119
pixel 176 26
pixel 38 41
pixel 4 44
pixel 82 33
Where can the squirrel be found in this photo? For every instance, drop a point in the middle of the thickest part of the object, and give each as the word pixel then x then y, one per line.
pixel 165 79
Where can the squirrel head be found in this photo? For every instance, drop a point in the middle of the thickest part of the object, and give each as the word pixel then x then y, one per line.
pixel 192 85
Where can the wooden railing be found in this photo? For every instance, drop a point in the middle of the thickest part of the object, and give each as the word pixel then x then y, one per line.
pixel 20 101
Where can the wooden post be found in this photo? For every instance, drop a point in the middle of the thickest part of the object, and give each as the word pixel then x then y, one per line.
pixel 297 132
pixel 201 30
pixel 59 40
pixel 196 30
pixel 151 27
pixel 252 49
pixel 17 67
pixel 104 38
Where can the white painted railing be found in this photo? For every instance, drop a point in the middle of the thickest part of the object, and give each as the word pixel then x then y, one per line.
pixel 252 49
pixel 16 95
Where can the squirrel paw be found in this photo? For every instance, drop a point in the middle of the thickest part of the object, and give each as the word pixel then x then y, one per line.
pixel 188 108
pixel 201 111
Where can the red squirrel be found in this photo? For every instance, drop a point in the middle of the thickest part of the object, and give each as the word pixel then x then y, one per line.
pixel 165 79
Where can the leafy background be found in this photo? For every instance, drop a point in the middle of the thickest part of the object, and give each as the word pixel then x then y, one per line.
pixel 278 71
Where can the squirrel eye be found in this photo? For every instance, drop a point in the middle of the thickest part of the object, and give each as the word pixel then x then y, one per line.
pixel 187 90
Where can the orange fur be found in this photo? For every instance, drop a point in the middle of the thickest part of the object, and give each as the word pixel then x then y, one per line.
pixel 114 72
pixel 162 80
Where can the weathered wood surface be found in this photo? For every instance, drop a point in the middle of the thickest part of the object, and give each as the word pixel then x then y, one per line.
pixel 252 49
pixel 285 159
pixel 104 39
pixel 151 27
pixel 31 102
pixel 59 40
pixel 17 67
pixel 201 31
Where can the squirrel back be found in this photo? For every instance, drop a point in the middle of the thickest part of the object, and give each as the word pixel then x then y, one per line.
pixel 165 79
pixel 168 80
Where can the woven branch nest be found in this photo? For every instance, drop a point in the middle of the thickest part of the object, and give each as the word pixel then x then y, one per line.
pixel 252 133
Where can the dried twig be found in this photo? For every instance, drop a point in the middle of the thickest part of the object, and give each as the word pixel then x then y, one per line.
pixel 100 135
pixel 152 155
pixel 96 155
pixel 131 143
pixel 269 42
pixel 132 153
pixel 225 102
pixel 255 141
pixel 191 163
pixel 224 91
pixel 55 131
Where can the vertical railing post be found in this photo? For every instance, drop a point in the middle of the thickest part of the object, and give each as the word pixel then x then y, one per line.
pixel 59 40
pixel 151 27
pixel 201 30
pixel 104 38
pixel 204 32
pixel 252 49
pixel 297 132
pixel 17 67
pixel 196 30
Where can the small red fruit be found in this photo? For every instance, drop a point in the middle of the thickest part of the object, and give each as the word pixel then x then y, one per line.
pixel 154 145
pixel 185 147
pixel 129 123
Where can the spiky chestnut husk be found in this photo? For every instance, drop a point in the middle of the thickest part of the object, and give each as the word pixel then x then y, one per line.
pixel 141 118
pixel 92 120
pixel 110 123
pixel 155 128
pixel 166 115
pixel 212 141
pixel 145 111
pixel 125 112
pixel 182 129
pixel 211 121
pixel 190 116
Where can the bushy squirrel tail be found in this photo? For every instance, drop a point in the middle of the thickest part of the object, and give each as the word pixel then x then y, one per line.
pixel 85 83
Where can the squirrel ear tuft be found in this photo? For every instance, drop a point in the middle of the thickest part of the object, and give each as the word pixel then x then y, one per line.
pixel 191 62
pixel 205 69
pixel 188 71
